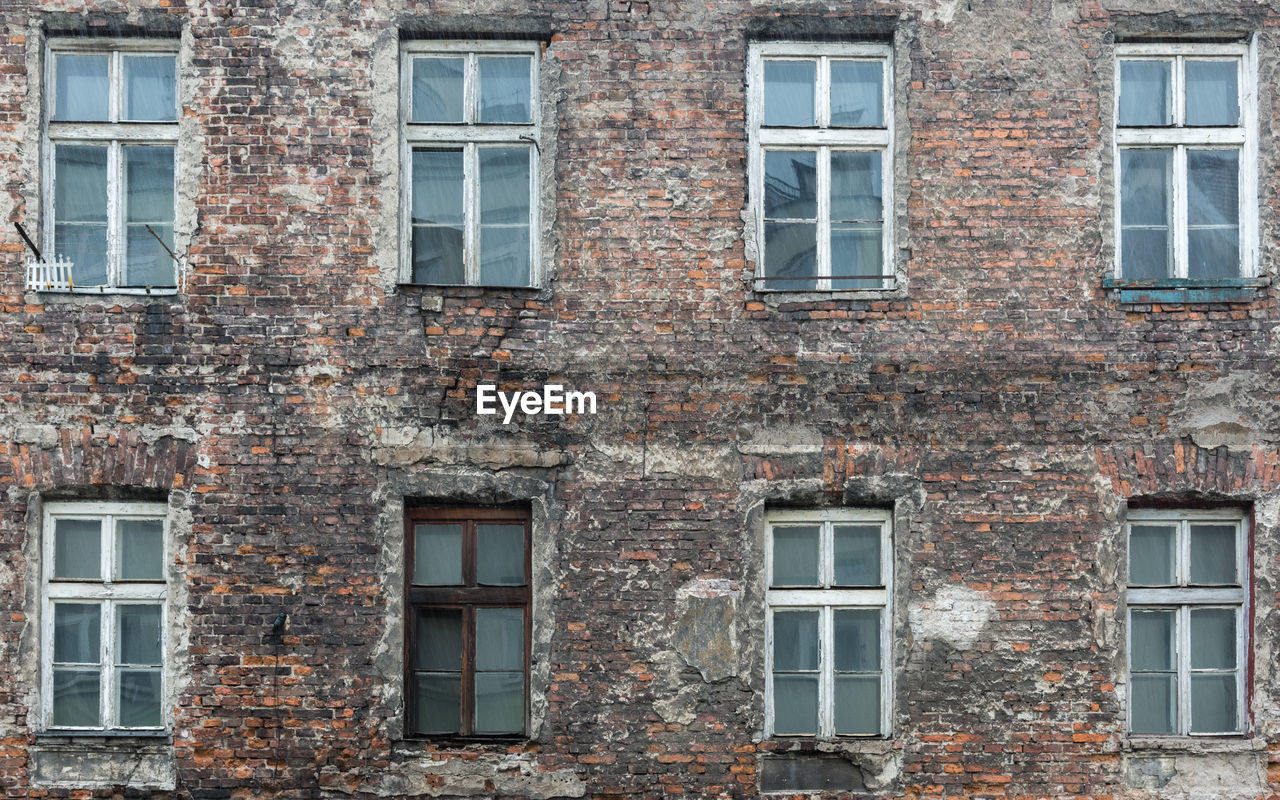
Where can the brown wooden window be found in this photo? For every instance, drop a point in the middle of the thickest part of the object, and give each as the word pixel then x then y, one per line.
pixel 467 621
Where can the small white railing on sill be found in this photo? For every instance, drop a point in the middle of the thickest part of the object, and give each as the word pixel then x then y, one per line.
pixel 49 275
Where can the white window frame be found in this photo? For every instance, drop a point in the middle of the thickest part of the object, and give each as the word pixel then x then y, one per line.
pixel 1179 137
pixel 469 135
pixel 823 140
pixel 109 594
pixel 825 600
pixel 1182 599
pixel 116 135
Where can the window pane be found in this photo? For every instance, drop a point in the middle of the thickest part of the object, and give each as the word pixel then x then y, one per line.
pixel 77 632
pixel 795 555
pixel 1213 555
pixel 1145 212
pixel 504 185
pixel 1151 639
pixel 505 89
pixel 148 200
pixel 788 92
pixel 437 554
pixel 437 89
pixel 138 698
pixel 857 699
pixel 437 639
pixel 856 639
pixel 795 704
pixel 81 88
pixel 791 184
pixel 1151 555
pixel 500 639
pixel 1213 638
pixel 77 548
pixel 1153 703
pixel 1145 92
pixel 856 89
pixel 150 88
pixel 795 640
pixel 138 631
pixel 1213 703
pixel 147 263
pixel 504 255
pixel 856 250
pixel 140 549
pixel 855 186
pixel 437 255
pixel 76 697
pixel 85 246
pixel 437 702
pixel 1213 97
pixel 1213 213
pixel 1213 253
pixel 857 555
pixel 791 251
pixel 437 187
pixel 499 702
pixel 80 205
pixel 500 555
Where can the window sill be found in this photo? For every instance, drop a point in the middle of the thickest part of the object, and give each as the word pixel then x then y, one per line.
pixel 1178 291
pixel 1194 744
pixel 871 745
pixel 418 746
pixel 103 760
pixel 147 737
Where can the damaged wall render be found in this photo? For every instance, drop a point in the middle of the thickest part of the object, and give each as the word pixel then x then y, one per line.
pixel 1001 407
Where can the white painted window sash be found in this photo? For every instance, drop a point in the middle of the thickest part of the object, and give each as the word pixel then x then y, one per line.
pixel 108 594
pixel 468 135
pixel 1183 599
pixel 826 600
pixel 114 134
pixel 1179 138
pixel 823 139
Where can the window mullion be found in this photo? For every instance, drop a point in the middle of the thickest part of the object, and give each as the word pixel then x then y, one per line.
pixel 470 214
pixel 115 214
pixel 106 678
pixel 1179 95
pixel 822 92
pixel 1184 669
pixel 824 218
pixel 826 680
pixel 1180 210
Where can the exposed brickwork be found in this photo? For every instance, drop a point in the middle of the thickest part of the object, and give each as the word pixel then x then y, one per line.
pixel 293 397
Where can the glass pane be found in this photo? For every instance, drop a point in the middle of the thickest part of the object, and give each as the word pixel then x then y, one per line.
pixel 857 704
pixel 789 92
pixel 504 255
pixel 500 555
pixel 795 704
pixel 1145 92
pixel 437 255
pixel 791 251
pixel 138 634
pixel 437 639
pixel 81 88
pixel 138 698
pixel 437 187
pixel 1153 703
pixel 856 89
pixel 437 554
pixel 437 89
pixel 856 250
pixel 77 632
pixel 1151 639
pixel 1213 253
pixel 1213 703
pixel 77 548
pixel 150 88
pixel 1213 555
pixel 505 89
pixel 499 702
pixel 791 184
pixel 437 702
pixel 1145 254
pixel 148 184
pixel 1213 187
pixel 857 555
pixel 1213 97
pixel 855 186
pixel 856 635
pixel 1151 555
pixel 147 263
pixel 80 183
pixel 76 697
pixel 504 185
pixel 1213 638
pixel 795 640
pixel 500 639
pixel 795 555
pixel 1145 244
pixel 85 246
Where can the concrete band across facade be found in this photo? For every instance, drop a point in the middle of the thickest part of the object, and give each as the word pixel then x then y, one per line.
pixel 638 399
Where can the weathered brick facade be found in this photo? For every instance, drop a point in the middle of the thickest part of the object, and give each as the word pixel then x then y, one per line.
pixel 294 397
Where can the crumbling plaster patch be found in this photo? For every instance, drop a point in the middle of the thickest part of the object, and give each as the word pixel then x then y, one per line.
pixel 1195 776
pixel 485 776
pixel 955 615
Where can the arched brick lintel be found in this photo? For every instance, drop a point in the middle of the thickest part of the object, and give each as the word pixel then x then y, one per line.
pixel 82 458
pixel 1180 467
